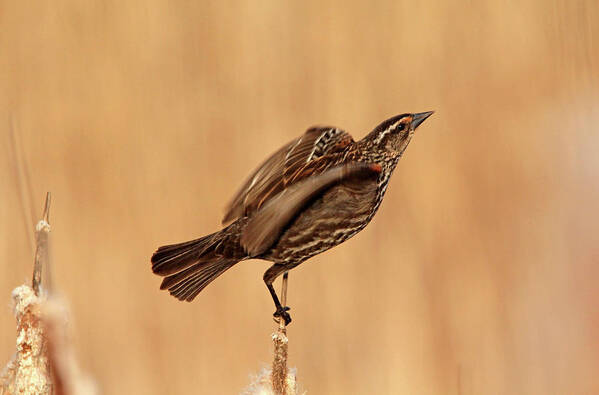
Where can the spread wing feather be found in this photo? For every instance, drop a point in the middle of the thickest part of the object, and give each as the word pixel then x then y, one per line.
pixel 285 167
pixel 266 225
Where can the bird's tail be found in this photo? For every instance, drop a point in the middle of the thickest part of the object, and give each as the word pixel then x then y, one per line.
pixel 189 267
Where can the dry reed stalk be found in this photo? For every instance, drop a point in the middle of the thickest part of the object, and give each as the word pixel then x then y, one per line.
pixel 44 362
pixel 29 370
pixel 278 380
pixel 42 259
pixel 279 365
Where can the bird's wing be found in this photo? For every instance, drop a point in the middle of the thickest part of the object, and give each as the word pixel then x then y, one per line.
pixel 266 225
pixel 284 167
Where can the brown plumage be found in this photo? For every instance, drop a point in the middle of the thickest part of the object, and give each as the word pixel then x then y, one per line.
pixel 311 195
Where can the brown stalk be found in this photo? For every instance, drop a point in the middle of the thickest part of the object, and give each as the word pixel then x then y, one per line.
pixel 44 362
pixel 279 365
pixel 42 231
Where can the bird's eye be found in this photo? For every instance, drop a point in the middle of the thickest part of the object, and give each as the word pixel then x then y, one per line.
pixel 399 127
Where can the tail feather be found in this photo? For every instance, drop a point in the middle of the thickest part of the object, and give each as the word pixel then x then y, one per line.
pixel 189 287
pixel 189 267
pixel 177 278
pixel 173 258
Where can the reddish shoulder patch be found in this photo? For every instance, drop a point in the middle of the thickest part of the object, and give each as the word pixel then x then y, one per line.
pixel 375 167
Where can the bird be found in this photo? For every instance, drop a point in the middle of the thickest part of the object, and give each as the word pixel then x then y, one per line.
pixel 312 194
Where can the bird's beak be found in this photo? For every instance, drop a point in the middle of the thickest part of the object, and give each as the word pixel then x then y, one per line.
pixel 417 119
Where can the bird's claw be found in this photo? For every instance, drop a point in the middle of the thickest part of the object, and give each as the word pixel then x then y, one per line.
pixel 282 312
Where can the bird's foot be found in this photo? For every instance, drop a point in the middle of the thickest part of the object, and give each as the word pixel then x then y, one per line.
pixel 282 313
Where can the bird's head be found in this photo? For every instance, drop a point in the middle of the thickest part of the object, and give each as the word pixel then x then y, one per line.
pixel 394 134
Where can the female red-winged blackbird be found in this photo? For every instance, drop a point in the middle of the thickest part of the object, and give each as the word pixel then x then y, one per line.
pixel 312 194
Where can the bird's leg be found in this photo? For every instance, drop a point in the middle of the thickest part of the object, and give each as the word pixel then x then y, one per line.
pixel 281 311
pixel 269 277
pixel 284 288
pixel 284 298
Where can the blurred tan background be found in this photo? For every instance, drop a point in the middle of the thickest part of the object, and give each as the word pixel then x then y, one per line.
pixel 477 276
